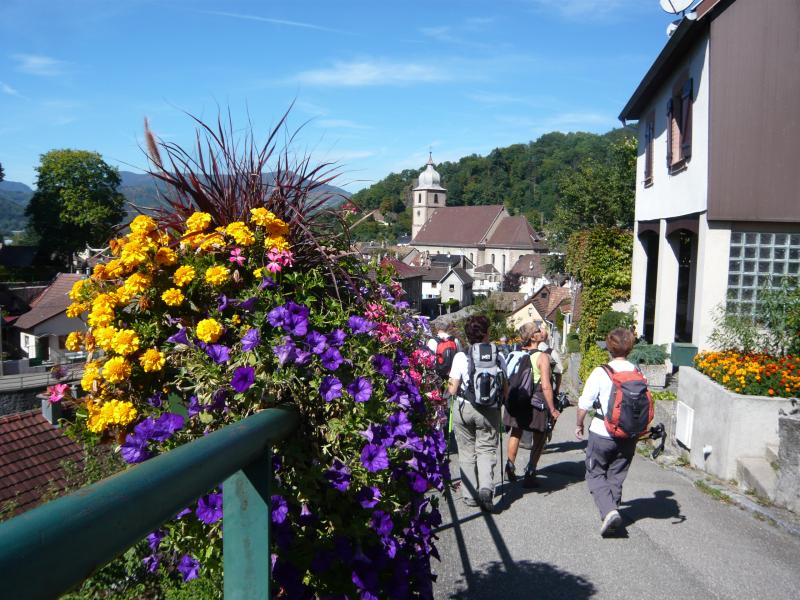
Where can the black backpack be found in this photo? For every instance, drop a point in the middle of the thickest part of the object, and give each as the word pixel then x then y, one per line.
pixel 484 384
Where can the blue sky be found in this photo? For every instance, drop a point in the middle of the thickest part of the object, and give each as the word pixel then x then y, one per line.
pixel 376 83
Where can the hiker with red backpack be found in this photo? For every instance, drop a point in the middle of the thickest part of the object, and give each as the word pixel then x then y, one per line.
pixel 624 408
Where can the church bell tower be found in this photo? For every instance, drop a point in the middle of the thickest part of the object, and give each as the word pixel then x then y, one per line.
pixel 427 197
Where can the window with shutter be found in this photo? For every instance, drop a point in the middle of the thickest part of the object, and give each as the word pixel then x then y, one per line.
pixel 649 134
pixel 679 125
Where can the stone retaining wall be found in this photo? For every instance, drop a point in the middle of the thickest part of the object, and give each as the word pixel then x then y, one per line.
pixel 787 492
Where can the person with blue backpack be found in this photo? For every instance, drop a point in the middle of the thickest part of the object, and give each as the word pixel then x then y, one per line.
pixel 623 406
pixel 477 381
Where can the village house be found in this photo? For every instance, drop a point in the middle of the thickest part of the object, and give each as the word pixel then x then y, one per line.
pixel 717 213
pixel 486 234
pixel 44 328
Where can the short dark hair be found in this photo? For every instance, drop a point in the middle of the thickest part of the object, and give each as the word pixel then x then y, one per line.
pixel 620 342
pixel 476 329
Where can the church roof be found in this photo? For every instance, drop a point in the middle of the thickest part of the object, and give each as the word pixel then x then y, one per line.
pixel 429 179
pixel 512 232
pixel 458 225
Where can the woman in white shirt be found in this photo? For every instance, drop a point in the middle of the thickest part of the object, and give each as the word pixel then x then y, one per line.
pixel 607 458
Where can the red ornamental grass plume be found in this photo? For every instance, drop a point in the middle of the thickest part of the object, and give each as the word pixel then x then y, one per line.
pixel 227 173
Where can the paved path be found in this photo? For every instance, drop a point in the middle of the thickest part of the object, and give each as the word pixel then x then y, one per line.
pixel 545 543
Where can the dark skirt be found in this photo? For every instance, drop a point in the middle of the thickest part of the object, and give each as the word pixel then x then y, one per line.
pixel 525 416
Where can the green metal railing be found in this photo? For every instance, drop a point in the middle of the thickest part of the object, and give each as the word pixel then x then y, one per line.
pixel 54 547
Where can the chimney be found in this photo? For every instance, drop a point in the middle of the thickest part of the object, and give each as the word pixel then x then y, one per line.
pixel 52 412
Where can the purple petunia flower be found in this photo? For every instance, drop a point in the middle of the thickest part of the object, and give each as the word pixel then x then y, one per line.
pixel 151 563
pixel 399 425
pixel 383 365
pixel 401 359
pixel 286 351
pixel 209 508
pixel 219 353
pixel 243 379
pixel 368 497
pixel 189 567
pixel 250 340
pixel 156 400
pixel 267 283
pixel 183 513
pixel 306 516
pixel 249 304
pixel 179 338
pixel 360 324
pixel 418 482
pixel 302 357
pixel 339 476
pixel 134 449
pixel 360 389
pixel 382 523
pixel 317 342
pixel 297 321
pixel 223 303
pixel 280 509
pixel 278 316
pixel 337 337
pixel 154 539
pixel 194 408
pixel 167 424
pixel 401 304
pixel 331 359
pixel 374 458
pixel 330 388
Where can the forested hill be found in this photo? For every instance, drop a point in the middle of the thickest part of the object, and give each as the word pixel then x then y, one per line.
pixel 524 177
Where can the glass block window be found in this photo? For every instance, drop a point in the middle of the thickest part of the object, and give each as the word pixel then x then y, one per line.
pixel 757 261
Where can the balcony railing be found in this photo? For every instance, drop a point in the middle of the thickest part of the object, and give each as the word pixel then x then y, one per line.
pixel 51 549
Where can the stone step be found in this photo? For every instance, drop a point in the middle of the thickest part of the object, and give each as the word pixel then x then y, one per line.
pixel 772 453
pixel 755 473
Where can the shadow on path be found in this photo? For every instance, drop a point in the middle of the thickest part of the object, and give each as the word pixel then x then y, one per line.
pixel 660 506
pixel 523 579
pixel 564 447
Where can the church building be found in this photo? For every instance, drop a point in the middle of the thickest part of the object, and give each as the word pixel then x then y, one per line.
pixel 484 234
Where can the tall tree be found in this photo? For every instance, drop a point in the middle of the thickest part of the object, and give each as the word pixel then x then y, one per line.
pixel 76 203
pixel 2 173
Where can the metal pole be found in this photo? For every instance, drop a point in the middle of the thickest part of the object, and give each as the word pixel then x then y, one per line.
pixel 2 357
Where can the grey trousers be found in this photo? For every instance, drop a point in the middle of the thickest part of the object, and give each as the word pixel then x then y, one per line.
pixel 477 436
pixel 607 463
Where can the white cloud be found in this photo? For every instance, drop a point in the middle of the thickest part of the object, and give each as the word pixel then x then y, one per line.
pixel 339 124
pixel 581 9
pixel 37 64
pixel 272 21
pixel 371 73
pixel 8 90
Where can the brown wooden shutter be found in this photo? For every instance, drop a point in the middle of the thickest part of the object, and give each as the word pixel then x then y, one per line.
pixel 669 133
pixel 686 120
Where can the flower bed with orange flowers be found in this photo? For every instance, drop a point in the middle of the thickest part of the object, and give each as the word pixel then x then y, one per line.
pixel 752 374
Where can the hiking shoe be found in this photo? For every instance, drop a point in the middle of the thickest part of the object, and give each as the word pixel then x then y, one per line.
pixel 610 523
pixel 511 471
pixel 529 481
pixel 485 499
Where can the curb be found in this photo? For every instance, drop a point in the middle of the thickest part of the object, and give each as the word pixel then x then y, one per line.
pixel 781 518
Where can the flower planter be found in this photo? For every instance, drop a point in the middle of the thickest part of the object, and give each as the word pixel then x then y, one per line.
pixel 726 426
pixel 656 374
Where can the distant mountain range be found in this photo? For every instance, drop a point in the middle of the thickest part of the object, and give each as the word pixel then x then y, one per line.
pixel 138 188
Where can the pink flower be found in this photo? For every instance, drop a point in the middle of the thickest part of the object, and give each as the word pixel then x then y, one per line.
pixel 422 357
pixel 57 392
pixel 435 396
pixel 237 256
pixel 415 375
pixel 387 333
pixel 374 311
pixel 274 267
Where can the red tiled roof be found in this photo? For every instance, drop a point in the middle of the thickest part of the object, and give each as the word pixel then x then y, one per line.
pixel 458 225
pixel 528 265
pixel 31 453
pixel 50 302
pixel 487 268
pixel 549 298
pixel 513 232
pixel 403 270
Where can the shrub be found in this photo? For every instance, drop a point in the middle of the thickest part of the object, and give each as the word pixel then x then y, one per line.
pixel 752 374
pixel 592 358
pixel 611 320
pixel 236 300
pixel 649 354
pixel 573 342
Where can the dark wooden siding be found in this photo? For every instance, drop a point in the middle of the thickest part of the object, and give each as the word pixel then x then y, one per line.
pixel 754 155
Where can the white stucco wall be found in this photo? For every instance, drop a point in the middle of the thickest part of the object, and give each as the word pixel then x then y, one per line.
pixel 684 192
pixel 713 251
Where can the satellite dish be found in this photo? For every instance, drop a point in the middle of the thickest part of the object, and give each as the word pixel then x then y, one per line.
pixel 675 6
pixel 672 27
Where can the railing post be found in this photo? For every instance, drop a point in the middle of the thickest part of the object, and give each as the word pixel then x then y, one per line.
pixel 246 535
